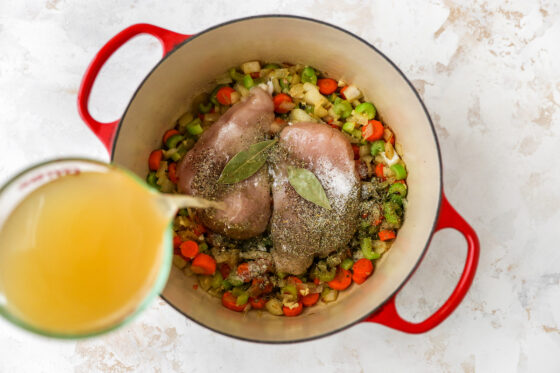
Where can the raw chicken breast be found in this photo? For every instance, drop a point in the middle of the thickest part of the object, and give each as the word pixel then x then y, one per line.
pixel 248 202
pixel 300 229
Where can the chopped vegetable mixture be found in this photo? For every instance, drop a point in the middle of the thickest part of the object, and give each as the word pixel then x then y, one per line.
pixel 239 271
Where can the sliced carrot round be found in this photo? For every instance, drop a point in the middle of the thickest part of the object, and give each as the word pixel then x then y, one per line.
pixel 257 303
pixel 385 235
pixel 229 301
pixel 363 268
pixel 203 264
pixel 379 171
pixel 342 280
pixel 310 299
pixel 172 172
pixel 189 249
pixel 244 272
pixel 327 86
pixel 224 95
pixel 280 101
pixel 155 159
pixel 293 311
pixel 168 134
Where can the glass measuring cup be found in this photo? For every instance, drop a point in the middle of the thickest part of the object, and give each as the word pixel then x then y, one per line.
pixel 20 189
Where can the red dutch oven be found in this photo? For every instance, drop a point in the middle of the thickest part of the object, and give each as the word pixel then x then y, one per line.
pixel 188 66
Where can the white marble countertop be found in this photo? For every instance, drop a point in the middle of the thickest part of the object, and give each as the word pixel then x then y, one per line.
pixel 488 72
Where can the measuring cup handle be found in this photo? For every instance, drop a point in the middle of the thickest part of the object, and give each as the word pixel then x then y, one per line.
pixel 106 131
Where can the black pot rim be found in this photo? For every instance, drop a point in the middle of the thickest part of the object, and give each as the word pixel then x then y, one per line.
pixel 424 250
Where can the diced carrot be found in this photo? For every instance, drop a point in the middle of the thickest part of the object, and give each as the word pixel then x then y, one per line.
pixel 362 269
pixel 392 140
pixel 189 249
pixel 224 95
pixel 310 299
pixel 199 229
pixel 356 150
pixel 172 172
pixel 225 270
pixel 168 134
pixel 385 235
pixel 342 280
pixel 373 130
pixel 229 301
pixel 342 91
pixel 316 281
pixel 378 221
pixel 379 170
pixel 257 303
pixel 244 272
pixel 203 264
pixel 293 311
pixel 279 120
pixel 327 86
pixel 279 101
pixel 155 159
pixel 256 74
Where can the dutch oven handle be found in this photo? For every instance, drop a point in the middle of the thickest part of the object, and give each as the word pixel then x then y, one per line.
pixel 106 131
pixel 388 315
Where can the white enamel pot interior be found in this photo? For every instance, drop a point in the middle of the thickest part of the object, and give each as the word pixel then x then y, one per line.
pixel 166 93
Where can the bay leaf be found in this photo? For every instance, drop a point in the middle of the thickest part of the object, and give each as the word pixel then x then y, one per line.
pixel 308 186
pixel 245 163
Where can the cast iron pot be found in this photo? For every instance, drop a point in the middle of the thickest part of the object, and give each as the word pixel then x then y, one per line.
pixel 188 66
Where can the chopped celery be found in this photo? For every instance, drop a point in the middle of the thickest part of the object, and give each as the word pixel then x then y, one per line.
pixel 248 82
pixel 397 188
pixel 205 109
pixel 366 244
pixel 271 66
pixel 173 141
pixel 202 247
pixel 391 212
pixel 329 295
pixel 194 127
pixel 226 285
pixel 281 275
pixel 342 108
pixel 357 134
pixel 242 299
pixel 235 280
pixel 399 170
pixel 366 108
pixel 347 263
pixel 216 280
pixel 332 97
pixel 377 147
pixel 326 276
pixel 151 179
pixel 284 84
pixel 290 289
pixel 176 157
pixel 184 120
pixel 308 75
pixel 309 109
pixel 235 75
pixel 396 198
pixel 348 127
pixel 237 291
